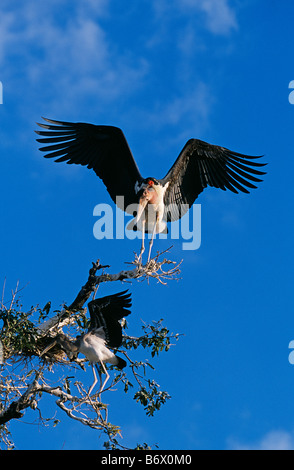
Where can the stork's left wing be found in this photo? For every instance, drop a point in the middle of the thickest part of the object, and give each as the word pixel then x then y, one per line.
pixel 106 312
pixel 200 165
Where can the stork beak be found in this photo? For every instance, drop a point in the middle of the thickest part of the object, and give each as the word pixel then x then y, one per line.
pixel 142 204
pixel 143 201
pixel 50 346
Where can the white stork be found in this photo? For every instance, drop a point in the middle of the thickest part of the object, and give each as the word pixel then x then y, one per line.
pixel 104 332
pixel 105 150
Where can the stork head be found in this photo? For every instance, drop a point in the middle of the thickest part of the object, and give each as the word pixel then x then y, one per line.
pixel 149 189
pixel 150 182
pixel 149 194
pixel 147 183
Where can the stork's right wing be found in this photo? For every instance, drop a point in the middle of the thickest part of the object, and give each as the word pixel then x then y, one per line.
pixel 103 148
pixel 106 312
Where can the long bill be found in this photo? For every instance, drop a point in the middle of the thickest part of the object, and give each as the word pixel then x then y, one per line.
pixel 141 207
pixel 50 346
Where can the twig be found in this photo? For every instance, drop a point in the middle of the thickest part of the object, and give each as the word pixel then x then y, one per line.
pixel 15 407
pixel 153 269
pixel 3 290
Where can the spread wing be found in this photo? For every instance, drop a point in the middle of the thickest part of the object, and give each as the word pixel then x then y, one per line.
pixel 106 313
pixel 102 148
pixel 200 165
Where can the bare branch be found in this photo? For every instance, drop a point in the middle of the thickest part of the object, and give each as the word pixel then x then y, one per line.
pixel 154 269
pixel 15 408
pixel 88 288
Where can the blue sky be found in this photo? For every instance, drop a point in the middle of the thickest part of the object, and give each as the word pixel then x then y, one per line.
pixel 164 71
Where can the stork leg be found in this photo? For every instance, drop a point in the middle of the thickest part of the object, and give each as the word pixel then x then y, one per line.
pixel 152 238
pixel 106 378
pixel 95 381
pixel 100 375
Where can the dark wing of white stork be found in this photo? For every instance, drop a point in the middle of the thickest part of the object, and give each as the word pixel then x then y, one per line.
pixel 106 312
pixel 102 148
pixel 200 165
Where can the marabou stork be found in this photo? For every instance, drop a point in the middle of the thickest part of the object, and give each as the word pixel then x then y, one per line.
pixel 106 151
pixel 104 332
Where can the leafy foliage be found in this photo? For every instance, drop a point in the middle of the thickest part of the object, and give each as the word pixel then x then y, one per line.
pixel 18 334
pixel 156 337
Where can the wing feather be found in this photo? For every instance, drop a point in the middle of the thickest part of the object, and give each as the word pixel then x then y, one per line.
pixel 101 148
pixel 200 165
pixel 106 313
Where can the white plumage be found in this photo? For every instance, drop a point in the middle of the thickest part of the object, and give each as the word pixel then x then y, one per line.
pixel 104 332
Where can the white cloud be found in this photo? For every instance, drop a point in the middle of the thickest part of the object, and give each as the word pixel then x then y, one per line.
pixel 6 22
pixel 68 59
pixel 192 105
pixel 219 16
pixel 72 62
pixel 273 440
pixel 57 52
